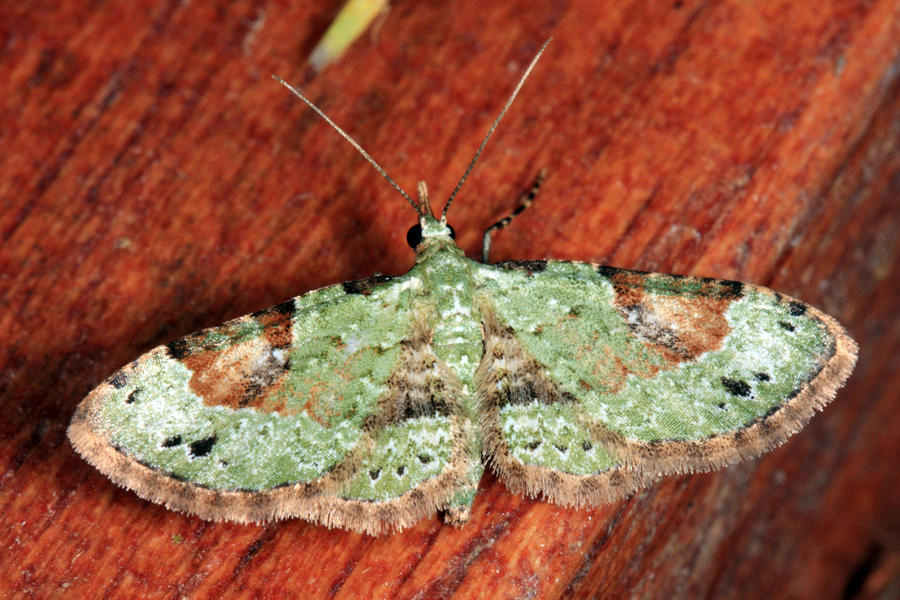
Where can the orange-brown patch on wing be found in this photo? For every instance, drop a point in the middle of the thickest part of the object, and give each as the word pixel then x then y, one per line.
pixel 324 402
pixel 607 367
pixel 629 287
pixel 682 328
pixel 678 326
pixel 320 403
pixel 246 374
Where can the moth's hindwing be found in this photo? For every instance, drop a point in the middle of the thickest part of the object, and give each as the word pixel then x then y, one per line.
pixel 598 380
pixel 313 408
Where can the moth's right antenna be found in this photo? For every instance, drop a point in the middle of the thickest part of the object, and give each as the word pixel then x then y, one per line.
pixel 353 143
pixel 494 126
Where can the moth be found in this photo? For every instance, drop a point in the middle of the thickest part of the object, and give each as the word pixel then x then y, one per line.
pixel 369 405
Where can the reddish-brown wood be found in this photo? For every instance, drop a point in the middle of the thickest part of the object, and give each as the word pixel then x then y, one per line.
pixel 154 181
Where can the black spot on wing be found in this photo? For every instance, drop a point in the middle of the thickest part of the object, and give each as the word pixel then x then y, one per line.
pixel 586 445
pixel 401 470
pixel 769 413
pixel 736 387
pixel 407 409
pixel 203 447
pixel 374 474
pixel 118 380
pixel 132 396
pixel 786 326
pixel 430 407
pixel 533 445
pixel 425 459
pixel 286 308
pixel 529 266
pixel 178 349
pixel 762 376
pixel 723 289
pixel 608 272
pixel 364 286
pixel 796 308
pixel 731 289
pixel 175 440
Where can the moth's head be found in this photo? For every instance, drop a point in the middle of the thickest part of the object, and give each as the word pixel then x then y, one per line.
pixel 429 233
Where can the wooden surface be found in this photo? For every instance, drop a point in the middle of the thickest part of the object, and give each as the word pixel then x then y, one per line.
pixel 154 180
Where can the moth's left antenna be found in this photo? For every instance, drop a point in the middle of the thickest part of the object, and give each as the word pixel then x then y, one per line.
pixel 353 143
pixel 494 126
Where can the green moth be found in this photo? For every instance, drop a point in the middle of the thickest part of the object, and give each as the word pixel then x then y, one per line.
pixel 371 404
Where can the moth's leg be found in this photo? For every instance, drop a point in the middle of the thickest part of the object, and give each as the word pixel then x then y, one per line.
pixel 524 202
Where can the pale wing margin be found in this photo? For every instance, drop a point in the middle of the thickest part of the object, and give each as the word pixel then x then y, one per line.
pixel 282 413
pixel 668 374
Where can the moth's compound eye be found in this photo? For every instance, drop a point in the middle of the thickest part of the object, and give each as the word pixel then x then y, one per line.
pixel 414 236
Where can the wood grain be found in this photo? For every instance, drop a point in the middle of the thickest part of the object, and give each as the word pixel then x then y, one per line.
pixel 154 181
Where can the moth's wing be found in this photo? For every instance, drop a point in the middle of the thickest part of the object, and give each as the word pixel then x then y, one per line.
pixel 598 380
pixel 325 407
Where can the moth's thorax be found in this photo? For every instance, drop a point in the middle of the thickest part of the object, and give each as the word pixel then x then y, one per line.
pixel 448 301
